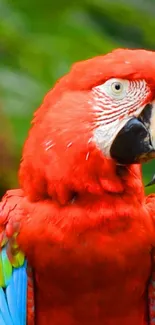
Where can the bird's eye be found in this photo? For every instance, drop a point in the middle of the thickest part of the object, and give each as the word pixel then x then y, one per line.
pixel 117 87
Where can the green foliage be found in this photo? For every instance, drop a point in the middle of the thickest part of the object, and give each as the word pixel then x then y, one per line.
pixel 39 40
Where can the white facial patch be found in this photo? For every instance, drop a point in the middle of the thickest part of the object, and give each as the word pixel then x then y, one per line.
pixel 115 103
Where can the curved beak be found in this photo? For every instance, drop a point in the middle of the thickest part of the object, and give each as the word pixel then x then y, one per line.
pixel 135 142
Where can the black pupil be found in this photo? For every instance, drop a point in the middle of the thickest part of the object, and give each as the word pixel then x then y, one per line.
pixel 117 86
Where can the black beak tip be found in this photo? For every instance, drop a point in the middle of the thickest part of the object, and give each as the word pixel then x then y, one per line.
pixel 152 182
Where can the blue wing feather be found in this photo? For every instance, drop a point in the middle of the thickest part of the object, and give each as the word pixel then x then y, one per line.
pixel 20 282
pixel 13 296
pixel 12 302
pixel 4 311
pixel 2 320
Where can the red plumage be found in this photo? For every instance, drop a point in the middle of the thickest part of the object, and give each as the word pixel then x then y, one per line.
pixel 86 226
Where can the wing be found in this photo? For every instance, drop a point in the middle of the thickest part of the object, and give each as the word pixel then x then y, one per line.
pixel 15 282
pixel 150 204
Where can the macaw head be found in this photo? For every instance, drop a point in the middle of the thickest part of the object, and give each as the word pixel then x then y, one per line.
pixel 93 129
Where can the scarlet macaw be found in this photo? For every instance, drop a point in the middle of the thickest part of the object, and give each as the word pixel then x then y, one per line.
pixel 78 237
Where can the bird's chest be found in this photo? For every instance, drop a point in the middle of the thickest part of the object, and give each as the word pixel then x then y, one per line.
pixel 114 256
pixel 97 275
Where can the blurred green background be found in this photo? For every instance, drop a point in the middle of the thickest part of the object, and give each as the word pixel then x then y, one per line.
pixel 39 40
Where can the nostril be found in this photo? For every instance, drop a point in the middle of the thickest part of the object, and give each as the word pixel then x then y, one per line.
pixel 131 143
pixel 136 127
pixel 138 130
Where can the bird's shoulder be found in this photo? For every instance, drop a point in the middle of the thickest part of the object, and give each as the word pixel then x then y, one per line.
pixel 13 266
